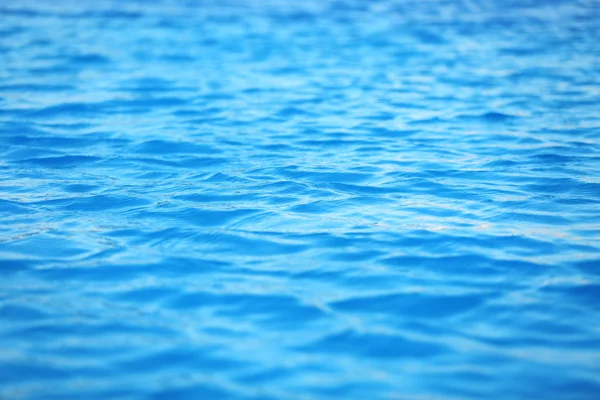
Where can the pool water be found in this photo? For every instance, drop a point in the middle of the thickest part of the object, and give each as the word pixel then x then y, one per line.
pixel 300 199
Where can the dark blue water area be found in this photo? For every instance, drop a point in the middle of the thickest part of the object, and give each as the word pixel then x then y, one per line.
pixel 310 199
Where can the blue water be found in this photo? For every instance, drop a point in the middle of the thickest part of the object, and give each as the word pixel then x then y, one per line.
pixel 300 199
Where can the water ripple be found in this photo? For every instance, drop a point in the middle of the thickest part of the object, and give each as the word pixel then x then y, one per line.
pixel 319 200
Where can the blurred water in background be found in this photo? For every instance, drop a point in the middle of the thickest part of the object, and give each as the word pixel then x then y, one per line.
pixel 299 199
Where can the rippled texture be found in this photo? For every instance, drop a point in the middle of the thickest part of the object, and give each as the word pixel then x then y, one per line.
pixel 300 200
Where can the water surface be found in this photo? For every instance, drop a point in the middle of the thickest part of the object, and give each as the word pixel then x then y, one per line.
pixel 299 200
